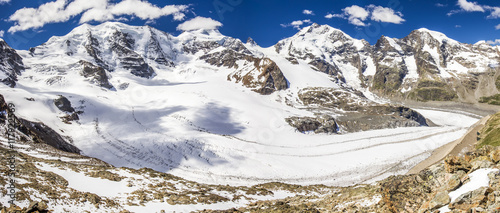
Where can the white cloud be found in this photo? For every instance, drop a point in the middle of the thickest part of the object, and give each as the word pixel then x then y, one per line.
pixel 91 10
pixel 458 26
pixel 296 24
pixel 466 6
pixel 385 14
pixel 4 1
pixel 357 15
pixel 308 12
pixel 495 12
pixel 1 33
pixel 440 5
pixel 199 23
pixel 469 6
pixel 495 42
pixel 329 16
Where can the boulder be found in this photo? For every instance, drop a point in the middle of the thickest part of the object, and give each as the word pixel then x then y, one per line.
pixel 440 199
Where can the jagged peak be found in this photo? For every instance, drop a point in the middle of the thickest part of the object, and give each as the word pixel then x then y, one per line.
pixel 319 29
pixel 392 42
pixel 4 45
pixel 251 41
pixel 482 42
pixel 384 38
pixel 439 36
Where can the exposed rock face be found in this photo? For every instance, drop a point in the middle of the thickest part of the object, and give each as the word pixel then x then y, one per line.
pixel 11 64
pixel 261 74
pixel 357 112
pixel 440 200
pixel 381 117
pixel 388 79
pixel 40 133
pixel 122 45
pixel 251 41
pixel 327 68
pixel 96 74
pixel 334 98
pixel 92 47
pixel 194 47
pixel 272 75
pixel 428 90
pixel 320 124
pixel 155 52
pixel 63 104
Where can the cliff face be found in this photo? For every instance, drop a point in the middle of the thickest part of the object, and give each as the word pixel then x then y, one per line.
pixel 11 64
pixel 37 132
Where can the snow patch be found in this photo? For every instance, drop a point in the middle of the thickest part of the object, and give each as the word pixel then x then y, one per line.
pixel 478 179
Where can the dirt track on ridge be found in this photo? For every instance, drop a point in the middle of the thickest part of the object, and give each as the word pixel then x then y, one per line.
pixel 454 148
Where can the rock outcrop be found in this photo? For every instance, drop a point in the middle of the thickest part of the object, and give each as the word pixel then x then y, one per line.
pixel 95 74
pixel 39 132
pixel 11 64
pixel 356 112
pixel 320 124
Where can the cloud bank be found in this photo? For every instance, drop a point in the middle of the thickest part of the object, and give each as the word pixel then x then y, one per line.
pixel 495 42
pixel 466 6
pixel 357 15
pixel 91 10
pixel 199 23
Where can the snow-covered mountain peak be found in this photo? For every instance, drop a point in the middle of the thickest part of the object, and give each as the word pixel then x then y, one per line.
pixel 388 44
pixel 201 35
pixel 251 42
pixel 319 41
pixel 426 36
pixel 316 30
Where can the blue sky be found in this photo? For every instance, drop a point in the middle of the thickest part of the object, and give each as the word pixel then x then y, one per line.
pixel 266 21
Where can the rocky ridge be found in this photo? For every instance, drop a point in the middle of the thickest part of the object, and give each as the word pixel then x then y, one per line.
pixel 11 64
